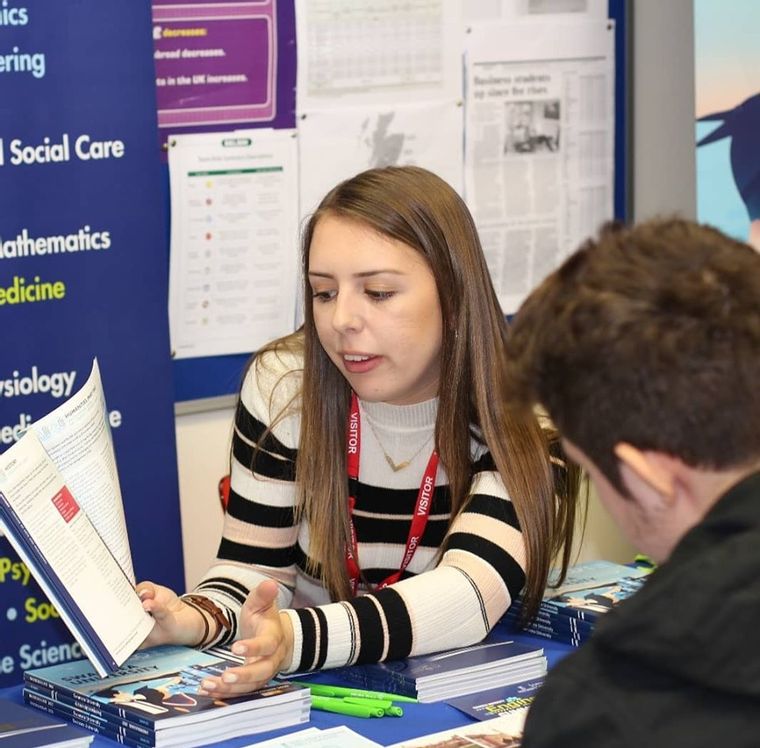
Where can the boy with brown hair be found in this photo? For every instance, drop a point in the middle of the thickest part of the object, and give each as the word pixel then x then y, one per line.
pixel 644 348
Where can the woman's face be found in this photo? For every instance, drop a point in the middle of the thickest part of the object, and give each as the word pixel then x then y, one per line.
pixel 376 310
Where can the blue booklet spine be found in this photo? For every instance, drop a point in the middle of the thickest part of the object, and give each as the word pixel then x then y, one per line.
pixel 575 626
pixel 85 702
pixel 36 695
pixel 571 641
pixel 371 680
pixel 123 735
pixel 572 631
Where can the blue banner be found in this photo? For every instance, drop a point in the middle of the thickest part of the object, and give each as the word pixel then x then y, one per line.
pixel 83 273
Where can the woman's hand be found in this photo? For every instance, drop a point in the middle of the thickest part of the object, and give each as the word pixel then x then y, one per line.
pixel 266 643
pixel 175 622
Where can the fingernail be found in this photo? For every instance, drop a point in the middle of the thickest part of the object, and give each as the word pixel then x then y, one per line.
pixel 208 685
pixel 142 594
pixel 229 678
pixel 239 649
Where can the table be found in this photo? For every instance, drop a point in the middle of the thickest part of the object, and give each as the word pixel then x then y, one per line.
pixel 418 719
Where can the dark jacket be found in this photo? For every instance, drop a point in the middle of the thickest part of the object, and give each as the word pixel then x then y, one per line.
pixel 678 664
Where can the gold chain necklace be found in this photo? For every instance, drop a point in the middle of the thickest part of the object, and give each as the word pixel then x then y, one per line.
pixel 395 466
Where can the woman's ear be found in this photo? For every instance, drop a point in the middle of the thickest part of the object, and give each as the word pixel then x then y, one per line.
pixel 650 467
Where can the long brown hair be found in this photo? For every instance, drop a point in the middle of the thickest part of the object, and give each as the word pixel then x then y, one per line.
pixel 416 207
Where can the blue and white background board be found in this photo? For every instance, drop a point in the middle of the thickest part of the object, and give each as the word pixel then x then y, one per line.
pixel 727 103
pixel 83 273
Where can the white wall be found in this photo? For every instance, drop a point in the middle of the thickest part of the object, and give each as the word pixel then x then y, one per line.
pixel 203 441
pixel 663 142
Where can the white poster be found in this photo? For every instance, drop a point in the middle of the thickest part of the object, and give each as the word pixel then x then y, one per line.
pixel 377 52
pixel 336 144
pixel 379 84
pixel 233 273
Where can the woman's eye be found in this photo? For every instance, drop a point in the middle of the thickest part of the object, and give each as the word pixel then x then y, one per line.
pixel 322 295
pixel 379 295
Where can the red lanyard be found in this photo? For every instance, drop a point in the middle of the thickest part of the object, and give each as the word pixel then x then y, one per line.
pixel 421 508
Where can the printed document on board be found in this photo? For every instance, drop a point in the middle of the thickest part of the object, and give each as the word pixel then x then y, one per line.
pixel 539 146
pixel 379 84
pixel 233 270
pixel 559 10
pixel 377 53
pixel 338 143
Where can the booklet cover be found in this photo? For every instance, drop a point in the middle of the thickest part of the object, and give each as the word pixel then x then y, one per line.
pixel 158 688
pixel 498 701
pixel 589 590
pixel 590 602
pixel 595 573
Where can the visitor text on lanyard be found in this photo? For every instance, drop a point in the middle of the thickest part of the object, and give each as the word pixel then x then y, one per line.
pixel 421 509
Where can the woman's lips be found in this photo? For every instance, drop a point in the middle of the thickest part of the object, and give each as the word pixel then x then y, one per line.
pixel 360 363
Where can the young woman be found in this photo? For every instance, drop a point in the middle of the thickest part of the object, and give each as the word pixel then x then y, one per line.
pixel 384 499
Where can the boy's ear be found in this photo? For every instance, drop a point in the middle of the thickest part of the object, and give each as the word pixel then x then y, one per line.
pixel 649 467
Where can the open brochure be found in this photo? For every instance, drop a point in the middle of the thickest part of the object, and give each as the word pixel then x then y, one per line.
pixel 505 731
pixel 312 737
pixel 61 509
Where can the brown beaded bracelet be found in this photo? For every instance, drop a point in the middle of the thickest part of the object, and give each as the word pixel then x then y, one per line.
pixel 204 605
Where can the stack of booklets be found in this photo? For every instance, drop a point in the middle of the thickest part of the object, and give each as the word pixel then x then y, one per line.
pixel 21 727
pixel 153 700
pixel 568 613
pixel 497 661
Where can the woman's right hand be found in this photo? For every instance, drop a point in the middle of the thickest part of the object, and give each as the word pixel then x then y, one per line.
pixel 175 622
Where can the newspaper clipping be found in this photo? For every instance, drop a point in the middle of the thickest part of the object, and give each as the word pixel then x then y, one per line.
pixel 539 151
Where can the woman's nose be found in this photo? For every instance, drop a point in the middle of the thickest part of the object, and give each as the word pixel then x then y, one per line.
pixel 347 313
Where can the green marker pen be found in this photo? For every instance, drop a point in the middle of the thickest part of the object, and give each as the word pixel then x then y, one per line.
pixel 324 690
pixel 377 703
pixel 339 706
pixel 384 704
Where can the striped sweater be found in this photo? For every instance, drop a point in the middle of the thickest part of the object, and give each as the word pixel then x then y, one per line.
pixel 434 606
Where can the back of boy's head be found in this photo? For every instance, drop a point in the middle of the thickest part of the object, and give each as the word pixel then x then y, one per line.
pixel 648 335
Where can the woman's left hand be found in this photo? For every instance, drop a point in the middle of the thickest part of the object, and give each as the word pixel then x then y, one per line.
pixel 266 643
